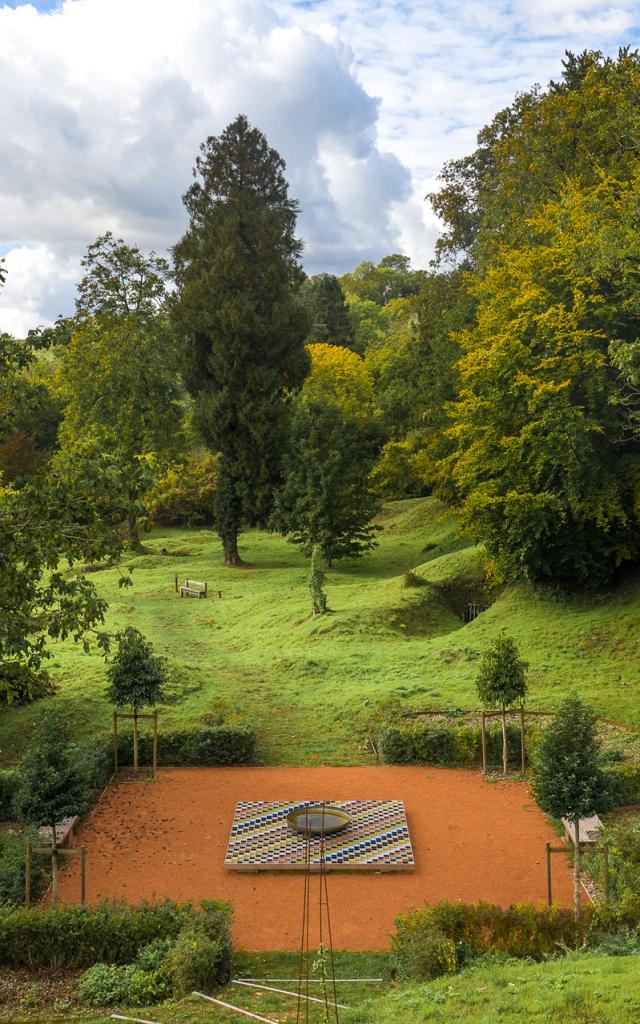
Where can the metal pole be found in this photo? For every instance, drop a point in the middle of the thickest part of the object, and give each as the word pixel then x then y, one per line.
pixel 27 877
pixel 83 887
pixel 484 744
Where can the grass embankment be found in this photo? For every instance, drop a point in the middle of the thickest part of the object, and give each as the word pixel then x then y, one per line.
pixel 583 990
pixel 305 682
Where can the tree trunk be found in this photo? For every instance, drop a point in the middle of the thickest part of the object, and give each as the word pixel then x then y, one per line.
pixel 54 867
pixel 230 554
pixel 505 746
pixel 135 739
pixel 576 868
pixel 133 537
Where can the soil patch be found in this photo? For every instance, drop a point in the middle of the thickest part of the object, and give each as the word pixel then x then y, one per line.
pixel 471 839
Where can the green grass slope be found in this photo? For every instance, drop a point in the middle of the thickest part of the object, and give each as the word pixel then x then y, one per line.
pixel 582 990
pixel 257 654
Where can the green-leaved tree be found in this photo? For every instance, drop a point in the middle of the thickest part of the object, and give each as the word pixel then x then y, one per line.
pixel 237 270
pixel 502 681
pixel 327 498
pixel 330 323
pixel 136 677
pixel 569 780
pixel 49 785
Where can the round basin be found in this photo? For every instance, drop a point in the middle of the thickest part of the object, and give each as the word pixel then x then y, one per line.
pixel 318 819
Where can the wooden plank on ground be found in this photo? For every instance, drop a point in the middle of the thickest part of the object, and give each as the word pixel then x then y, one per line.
pixel 286 992
pixel 236 1009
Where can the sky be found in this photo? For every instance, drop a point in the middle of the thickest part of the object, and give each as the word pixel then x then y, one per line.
pixel 105 103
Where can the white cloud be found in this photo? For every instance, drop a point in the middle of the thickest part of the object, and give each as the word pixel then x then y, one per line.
pixel 105 103
pixel 444 67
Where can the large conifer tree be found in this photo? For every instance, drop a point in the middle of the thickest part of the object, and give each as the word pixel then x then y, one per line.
pixel 237 268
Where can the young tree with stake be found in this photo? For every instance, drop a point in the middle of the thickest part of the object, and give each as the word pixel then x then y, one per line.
pixel 49 786
pixel 136 678
pixel 502 680
pixel 569 780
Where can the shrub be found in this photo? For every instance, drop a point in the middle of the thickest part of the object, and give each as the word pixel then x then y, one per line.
pixel 13 853
pixel 215 745
pixel 196 962
pixel 79 936
pixel 519 931
pixel 115 985
pixel 446 743
pixel 8 786
pixel 625 779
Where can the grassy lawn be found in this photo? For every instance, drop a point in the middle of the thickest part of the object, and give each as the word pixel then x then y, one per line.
pixel 581 990
pixel 256 654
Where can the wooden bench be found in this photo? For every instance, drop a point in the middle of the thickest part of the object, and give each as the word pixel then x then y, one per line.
pixel 193 588
pixel 588 829
pixel 64 831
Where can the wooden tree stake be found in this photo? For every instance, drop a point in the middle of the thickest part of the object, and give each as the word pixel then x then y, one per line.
pixel 484 743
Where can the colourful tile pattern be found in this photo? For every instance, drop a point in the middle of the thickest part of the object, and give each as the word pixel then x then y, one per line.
pixel 377 838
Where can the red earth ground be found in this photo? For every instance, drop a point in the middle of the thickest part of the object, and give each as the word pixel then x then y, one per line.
pixel 471 839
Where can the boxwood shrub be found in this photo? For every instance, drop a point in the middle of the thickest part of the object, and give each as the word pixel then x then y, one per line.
pixel 80 935
pixel 447 743
pixel 208 745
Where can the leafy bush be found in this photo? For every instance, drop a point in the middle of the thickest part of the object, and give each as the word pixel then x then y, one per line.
pixel 153 956
pixel 444 743
pixel 626 783
pixel 8 786
pixel 519 931
pixel 185 496
pixel 196 962
pixel 13 854
pixel 215 745
pixel 79 936
pixel 116 985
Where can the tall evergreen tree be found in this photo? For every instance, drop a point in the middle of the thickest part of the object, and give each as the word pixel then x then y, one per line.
pixel 237 268
pixel 323 298
pixel 327 499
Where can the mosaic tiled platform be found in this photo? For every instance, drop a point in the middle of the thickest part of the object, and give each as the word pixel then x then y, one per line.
pixel 376 839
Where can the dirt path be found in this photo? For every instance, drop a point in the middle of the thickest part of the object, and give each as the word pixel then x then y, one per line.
pixel 471 839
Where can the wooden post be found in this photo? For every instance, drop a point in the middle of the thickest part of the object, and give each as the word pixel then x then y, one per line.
pixel 522 750
pixel 484 744
pixel 549 894
pixel 605 853
pixel 220 594
pixel 83 887
pixel 135 740
pixel 115 742
pixel 155 742
pixel 27 877
pixel 177 585
pixel 54 873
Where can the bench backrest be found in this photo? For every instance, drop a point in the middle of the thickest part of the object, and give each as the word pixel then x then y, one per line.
pixel 192 584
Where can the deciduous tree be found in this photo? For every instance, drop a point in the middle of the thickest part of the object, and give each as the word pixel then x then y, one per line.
pixel 502 680
pixel 136 677
pixel 569 780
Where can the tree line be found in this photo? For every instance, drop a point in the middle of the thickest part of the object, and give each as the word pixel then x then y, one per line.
pixel 226 387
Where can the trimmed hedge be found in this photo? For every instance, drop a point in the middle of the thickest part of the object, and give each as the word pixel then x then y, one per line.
pixel 440 939
pixel 443 743
pixel 626 783
pixel 208 745
pixel 80 936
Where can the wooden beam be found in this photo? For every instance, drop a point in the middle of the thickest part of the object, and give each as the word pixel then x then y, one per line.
pixel 135 1020
pixel 286 992
pixel 236 1009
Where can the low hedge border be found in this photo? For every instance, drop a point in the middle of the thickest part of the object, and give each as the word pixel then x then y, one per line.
pixel 456 745
pixel 80 936
pixel 208 746
pixel 440 939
